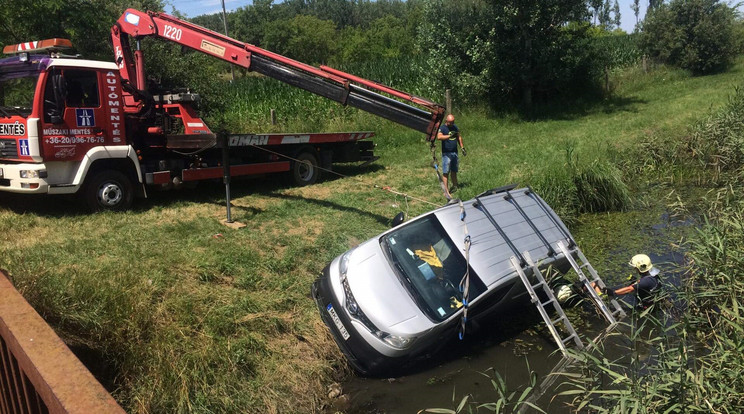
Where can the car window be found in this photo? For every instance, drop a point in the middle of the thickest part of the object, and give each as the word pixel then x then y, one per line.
pixel 430 265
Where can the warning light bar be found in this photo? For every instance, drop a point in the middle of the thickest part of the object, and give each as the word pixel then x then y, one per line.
pixel 51 45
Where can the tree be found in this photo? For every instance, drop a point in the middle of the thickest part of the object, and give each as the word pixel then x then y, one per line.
pixel 616 12
pixel 596 6
pixel 604 17
pixel 693 34
pixel 505 48
pixel 636 6
pixel 304 38
pixel 653 4
pixel 87 23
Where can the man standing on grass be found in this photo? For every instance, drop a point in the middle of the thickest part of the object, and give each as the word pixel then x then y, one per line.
pixel 450 136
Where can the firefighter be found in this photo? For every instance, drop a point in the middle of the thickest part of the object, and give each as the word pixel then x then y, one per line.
pixel 645 287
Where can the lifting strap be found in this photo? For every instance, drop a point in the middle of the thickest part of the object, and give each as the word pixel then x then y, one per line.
pixel 435 164
pixel 465 282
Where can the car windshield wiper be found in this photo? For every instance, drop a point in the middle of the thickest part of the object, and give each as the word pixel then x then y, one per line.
pixel 394 259
pixel 2 109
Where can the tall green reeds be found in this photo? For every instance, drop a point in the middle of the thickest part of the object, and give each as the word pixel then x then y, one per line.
pixel 687 358
pixel 582 185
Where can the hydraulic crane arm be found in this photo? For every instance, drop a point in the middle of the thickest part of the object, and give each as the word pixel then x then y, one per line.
pixel 324 81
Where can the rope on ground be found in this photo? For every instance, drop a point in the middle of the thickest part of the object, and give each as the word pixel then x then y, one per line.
pixel 385 188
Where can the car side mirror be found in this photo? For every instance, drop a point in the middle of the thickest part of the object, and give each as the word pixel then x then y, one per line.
pixel 398 219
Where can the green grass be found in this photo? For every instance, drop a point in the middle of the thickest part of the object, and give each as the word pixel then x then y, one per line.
pixel 191 316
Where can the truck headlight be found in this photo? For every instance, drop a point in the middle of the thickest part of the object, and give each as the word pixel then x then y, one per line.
pixel 33 173
pixel 398 342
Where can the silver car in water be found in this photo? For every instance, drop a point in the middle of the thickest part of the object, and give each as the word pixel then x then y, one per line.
pixel 399 295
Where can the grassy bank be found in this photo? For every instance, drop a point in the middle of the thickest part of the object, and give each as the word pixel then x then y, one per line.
pixel 188 315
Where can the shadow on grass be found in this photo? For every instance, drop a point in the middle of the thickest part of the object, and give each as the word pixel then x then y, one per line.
pixel 212 191
pixel 386 221
pixel 53 206
pixel 572 110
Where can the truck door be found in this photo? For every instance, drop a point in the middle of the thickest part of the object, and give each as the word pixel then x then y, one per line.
pixel 74 118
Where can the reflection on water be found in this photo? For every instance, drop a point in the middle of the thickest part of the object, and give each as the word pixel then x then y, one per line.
pixel 519 344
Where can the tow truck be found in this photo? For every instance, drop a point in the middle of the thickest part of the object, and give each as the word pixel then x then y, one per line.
pixel 100 131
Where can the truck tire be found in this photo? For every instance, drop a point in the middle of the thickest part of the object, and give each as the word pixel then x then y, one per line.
pixel 305 169
pixel 108 190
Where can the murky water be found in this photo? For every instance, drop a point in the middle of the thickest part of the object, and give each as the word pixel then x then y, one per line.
pixel 518 346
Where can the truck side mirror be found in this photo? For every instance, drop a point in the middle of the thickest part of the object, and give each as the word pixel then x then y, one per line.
pixel 398 219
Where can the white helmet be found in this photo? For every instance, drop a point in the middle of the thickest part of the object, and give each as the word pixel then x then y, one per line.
pixel 643 264
pixel 563 293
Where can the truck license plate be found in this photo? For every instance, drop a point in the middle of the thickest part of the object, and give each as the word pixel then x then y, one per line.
pixel 337 321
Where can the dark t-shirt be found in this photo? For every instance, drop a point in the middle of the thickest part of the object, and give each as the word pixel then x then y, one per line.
pixel 646 286
pixel 449 145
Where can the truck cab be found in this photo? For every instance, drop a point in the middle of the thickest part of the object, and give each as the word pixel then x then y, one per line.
pixel 58 115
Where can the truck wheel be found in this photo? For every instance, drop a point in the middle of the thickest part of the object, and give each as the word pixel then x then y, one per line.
pixel 305 169
pixel 108 190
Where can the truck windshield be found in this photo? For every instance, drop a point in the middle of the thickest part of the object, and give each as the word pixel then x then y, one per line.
pixel 430 265
pixel 18 84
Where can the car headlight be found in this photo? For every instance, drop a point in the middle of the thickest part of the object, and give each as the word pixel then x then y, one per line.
pixel 398 342
pixel 343 265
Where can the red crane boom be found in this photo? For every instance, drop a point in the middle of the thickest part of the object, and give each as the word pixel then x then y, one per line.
pixel 324 81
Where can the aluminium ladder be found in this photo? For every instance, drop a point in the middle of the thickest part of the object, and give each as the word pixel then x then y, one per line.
pixel 610 315
pixel 522 261
pixel 560 340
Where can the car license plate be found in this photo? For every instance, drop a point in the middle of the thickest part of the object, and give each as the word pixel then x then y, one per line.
pixel 337 321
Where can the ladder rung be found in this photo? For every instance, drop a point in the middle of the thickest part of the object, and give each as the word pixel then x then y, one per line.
pixel 557 320
pixel 549 301
pixel 537 285
pixel 569 338
pixel 584 265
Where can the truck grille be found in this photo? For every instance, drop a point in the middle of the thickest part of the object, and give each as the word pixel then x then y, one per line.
pixel 8 148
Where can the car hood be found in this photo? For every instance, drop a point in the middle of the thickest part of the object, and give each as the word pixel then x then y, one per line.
pixel 380 293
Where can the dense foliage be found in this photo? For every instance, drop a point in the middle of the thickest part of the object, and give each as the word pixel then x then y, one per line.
pixel 326 31
pixel 87 23
pixel 503 50
pixel 692 34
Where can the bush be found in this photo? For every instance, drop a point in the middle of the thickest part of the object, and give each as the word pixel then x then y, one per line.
pixel 697 35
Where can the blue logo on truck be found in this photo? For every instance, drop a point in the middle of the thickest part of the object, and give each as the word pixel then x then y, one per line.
pixel 24 147
pixel 85 117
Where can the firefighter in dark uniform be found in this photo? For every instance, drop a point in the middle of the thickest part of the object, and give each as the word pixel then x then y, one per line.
pixel 647 285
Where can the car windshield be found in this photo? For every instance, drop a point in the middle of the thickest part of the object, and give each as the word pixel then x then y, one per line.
pixel 430 265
